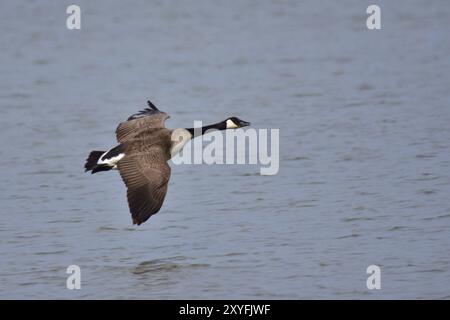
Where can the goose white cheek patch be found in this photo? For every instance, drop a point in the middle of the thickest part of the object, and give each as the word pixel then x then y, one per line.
pixel 231 125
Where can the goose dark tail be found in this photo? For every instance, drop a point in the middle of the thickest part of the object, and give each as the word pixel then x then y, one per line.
pixel 91 161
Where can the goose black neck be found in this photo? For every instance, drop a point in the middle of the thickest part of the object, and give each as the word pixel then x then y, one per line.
pixel 195 132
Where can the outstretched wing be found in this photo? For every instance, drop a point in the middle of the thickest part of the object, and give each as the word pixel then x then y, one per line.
pixel 150 117
pixel 146 177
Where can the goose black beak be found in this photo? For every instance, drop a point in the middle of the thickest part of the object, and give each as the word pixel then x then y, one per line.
pixel 243 123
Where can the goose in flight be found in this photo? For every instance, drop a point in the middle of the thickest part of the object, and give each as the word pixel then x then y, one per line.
pixel 145 146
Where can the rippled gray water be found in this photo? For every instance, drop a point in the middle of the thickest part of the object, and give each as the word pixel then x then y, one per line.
pixel 364 144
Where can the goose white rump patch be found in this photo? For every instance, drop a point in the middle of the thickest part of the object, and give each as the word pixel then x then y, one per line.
pixel 112 162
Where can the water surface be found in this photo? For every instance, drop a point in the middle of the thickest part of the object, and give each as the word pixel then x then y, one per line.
pixel 364 149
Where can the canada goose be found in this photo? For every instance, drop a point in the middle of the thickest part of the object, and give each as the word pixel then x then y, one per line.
pixel 145 146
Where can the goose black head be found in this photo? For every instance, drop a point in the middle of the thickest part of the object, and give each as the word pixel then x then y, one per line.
pixel 235 122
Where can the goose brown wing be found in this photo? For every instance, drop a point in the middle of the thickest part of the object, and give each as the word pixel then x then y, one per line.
pixel 146 177
pixel 145 119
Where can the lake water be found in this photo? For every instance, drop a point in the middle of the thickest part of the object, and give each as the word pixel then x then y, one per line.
pixel 364 121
